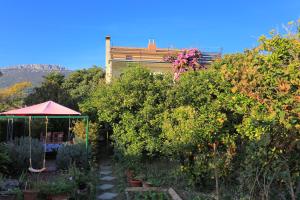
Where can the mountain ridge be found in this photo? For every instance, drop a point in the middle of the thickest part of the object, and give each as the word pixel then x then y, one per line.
pixel 47 67
pixel 33 73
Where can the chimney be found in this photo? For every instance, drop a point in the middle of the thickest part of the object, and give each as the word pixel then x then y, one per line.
pixel 108 64
pixel 151 45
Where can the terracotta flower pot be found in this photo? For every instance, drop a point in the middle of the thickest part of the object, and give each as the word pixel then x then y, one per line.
pixel 80 193
pixel 147 185
pixel 135 183
pixel 30 194
pixel 59 197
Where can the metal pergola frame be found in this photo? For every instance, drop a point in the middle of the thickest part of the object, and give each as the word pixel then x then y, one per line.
pixel 86 119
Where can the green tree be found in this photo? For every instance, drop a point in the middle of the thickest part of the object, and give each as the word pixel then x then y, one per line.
pixel 12 97
pixel 51 89
pixel 268 76
pixel 82 82
pixel 196 128
pixel 130 105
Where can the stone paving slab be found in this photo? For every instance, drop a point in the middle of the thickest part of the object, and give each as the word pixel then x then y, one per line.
pixel 105 165
pixel 107 196
pixel 105 186
pixel 107 178
pixel 108 167
pixel 105 172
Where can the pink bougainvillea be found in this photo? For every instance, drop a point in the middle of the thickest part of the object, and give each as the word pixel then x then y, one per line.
pixel 187 60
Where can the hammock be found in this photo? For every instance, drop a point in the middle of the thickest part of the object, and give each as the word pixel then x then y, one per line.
pixel 31 169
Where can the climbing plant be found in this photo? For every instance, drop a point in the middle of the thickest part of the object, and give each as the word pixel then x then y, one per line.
pixel 188 59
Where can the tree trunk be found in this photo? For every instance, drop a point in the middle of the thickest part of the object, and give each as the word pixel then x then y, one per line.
pixel 216 173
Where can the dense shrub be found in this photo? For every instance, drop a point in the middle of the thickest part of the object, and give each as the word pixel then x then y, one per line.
pixel 83 180
pixel 70 183
pixel 60 185
pixel 5 160
pixel 18 151
pixel 268 76
pixel 79 130
pixel 70 154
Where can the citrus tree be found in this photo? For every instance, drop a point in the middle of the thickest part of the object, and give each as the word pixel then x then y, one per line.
pixel 131 106
pixel 268 76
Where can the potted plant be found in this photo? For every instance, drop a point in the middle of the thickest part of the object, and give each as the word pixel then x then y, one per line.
pixel 135 183
pixel 83 186
pixel 151 182
pixel 129 174
pixel 30 192
pixel 59 196
pixel 147 184
pixel 83 182
pixel 56 190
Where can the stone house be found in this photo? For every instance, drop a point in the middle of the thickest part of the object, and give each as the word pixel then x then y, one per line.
pixel 119 58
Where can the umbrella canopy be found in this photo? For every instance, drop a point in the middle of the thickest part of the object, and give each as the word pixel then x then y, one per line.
pixel 46 108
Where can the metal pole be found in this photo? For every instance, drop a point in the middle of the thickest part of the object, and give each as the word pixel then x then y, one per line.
pixel 12 129
pixel 87 133
pixel 7 130
pixel 87 139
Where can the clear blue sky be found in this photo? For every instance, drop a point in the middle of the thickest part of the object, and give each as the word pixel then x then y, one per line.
pixel 72 32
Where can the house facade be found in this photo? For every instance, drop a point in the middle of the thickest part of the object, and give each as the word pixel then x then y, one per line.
pixel 119 58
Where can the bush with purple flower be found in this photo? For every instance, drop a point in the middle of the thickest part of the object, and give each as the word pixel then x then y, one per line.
pixel 186 60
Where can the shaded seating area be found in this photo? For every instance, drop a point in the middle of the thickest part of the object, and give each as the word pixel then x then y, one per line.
pixel 52 141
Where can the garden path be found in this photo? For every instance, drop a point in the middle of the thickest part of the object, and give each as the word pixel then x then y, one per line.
pixel 106 188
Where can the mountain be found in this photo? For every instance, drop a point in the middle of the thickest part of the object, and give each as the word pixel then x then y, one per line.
pixel 30 72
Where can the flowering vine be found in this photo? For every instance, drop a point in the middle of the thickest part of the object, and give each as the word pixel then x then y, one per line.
pixel 186 60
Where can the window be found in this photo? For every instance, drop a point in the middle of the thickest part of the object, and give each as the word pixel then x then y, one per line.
pixel 128 57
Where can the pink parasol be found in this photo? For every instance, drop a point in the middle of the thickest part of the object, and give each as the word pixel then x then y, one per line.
pixel 46 108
